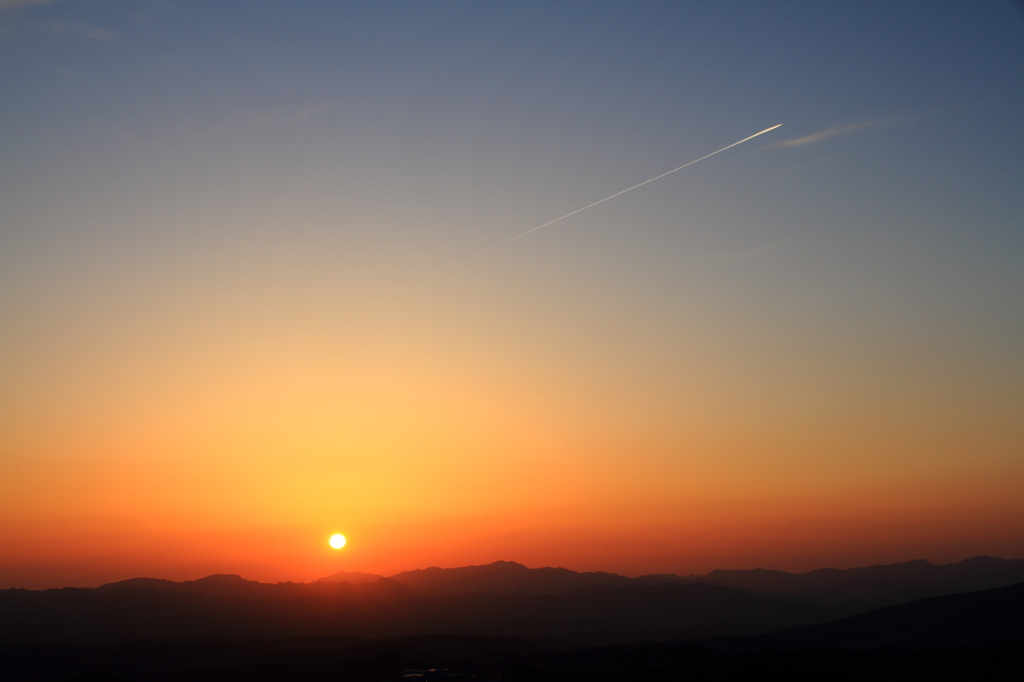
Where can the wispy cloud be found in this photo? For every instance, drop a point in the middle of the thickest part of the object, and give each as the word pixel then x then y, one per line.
pixel 267 119
pixel 828 133
pixel 256 120
pixel 315 110
pixel 748 254
pixel 84 31
pixel 28 24
pixel 721 258
pixel 15 4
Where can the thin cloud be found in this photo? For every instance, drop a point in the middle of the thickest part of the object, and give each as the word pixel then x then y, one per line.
pixel 24 24
pixel 741 255
pixel 312 111
pixel 84 31
pixel 255 120
pixel 15 4
pixel 722 258
pixel 827 134
pixel 268 118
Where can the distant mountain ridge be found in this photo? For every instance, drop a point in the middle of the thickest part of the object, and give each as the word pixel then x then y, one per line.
pixel 165 635
pixel 983 618
pixel 875 585
pixel 869 586
pixel 977 573
pixel 505 577
pixel 596 614
pixel 354 577
pixel 502 598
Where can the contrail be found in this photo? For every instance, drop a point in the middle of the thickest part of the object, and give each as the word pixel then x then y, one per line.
pixel 534 229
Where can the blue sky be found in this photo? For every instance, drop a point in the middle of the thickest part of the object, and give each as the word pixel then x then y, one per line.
pixel 196 195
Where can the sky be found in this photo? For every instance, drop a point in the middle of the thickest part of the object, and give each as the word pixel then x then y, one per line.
pixel 248 297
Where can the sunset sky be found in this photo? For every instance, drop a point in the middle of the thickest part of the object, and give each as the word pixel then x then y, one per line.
pixel 243 304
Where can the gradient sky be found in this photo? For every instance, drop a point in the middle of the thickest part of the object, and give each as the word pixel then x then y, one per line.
pixel 242 304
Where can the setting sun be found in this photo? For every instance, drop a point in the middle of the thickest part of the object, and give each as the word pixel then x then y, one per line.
pixel 337 541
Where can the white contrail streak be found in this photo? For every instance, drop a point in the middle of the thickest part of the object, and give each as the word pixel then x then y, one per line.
pixel 534 229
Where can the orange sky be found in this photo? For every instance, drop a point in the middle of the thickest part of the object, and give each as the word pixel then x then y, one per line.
pixel 243 303
pixel 177 461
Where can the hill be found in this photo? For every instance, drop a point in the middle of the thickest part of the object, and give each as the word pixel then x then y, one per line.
pixel 499 599
pixel 971 619
pixel 588 614
pixel 862 588
pixel 966 636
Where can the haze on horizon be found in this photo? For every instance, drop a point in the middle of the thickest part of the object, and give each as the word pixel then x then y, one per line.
pixel 241 310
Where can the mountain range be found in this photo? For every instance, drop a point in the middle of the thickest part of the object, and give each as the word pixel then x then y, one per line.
pixel 890 583
pixel 499 599
pixel 973 635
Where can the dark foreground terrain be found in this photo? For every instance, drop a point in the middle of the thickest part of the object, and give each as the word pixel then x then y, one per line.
pixel 508 659
pixel 502 599
pixel 505 621
pixel 971 636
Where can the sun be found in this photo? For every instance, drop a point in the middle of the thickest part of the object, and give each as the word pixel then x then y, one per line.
pixel 337 541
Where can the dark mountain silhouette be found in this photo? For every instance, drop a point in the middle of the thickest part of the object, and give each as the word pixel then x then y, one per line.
pixel 872 586
pixel 237 588
pixel 503 598
pixel 588 614
pixel 970 619
pixel 862 588
pixel 975 635
pixel 217 584
pixel 504 577
pixel 354 577
pixel 891 583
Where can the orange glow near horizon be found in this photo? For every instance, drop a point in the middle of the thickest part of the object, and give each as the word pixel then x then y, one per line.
pixel 446 461
pixel 243 305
